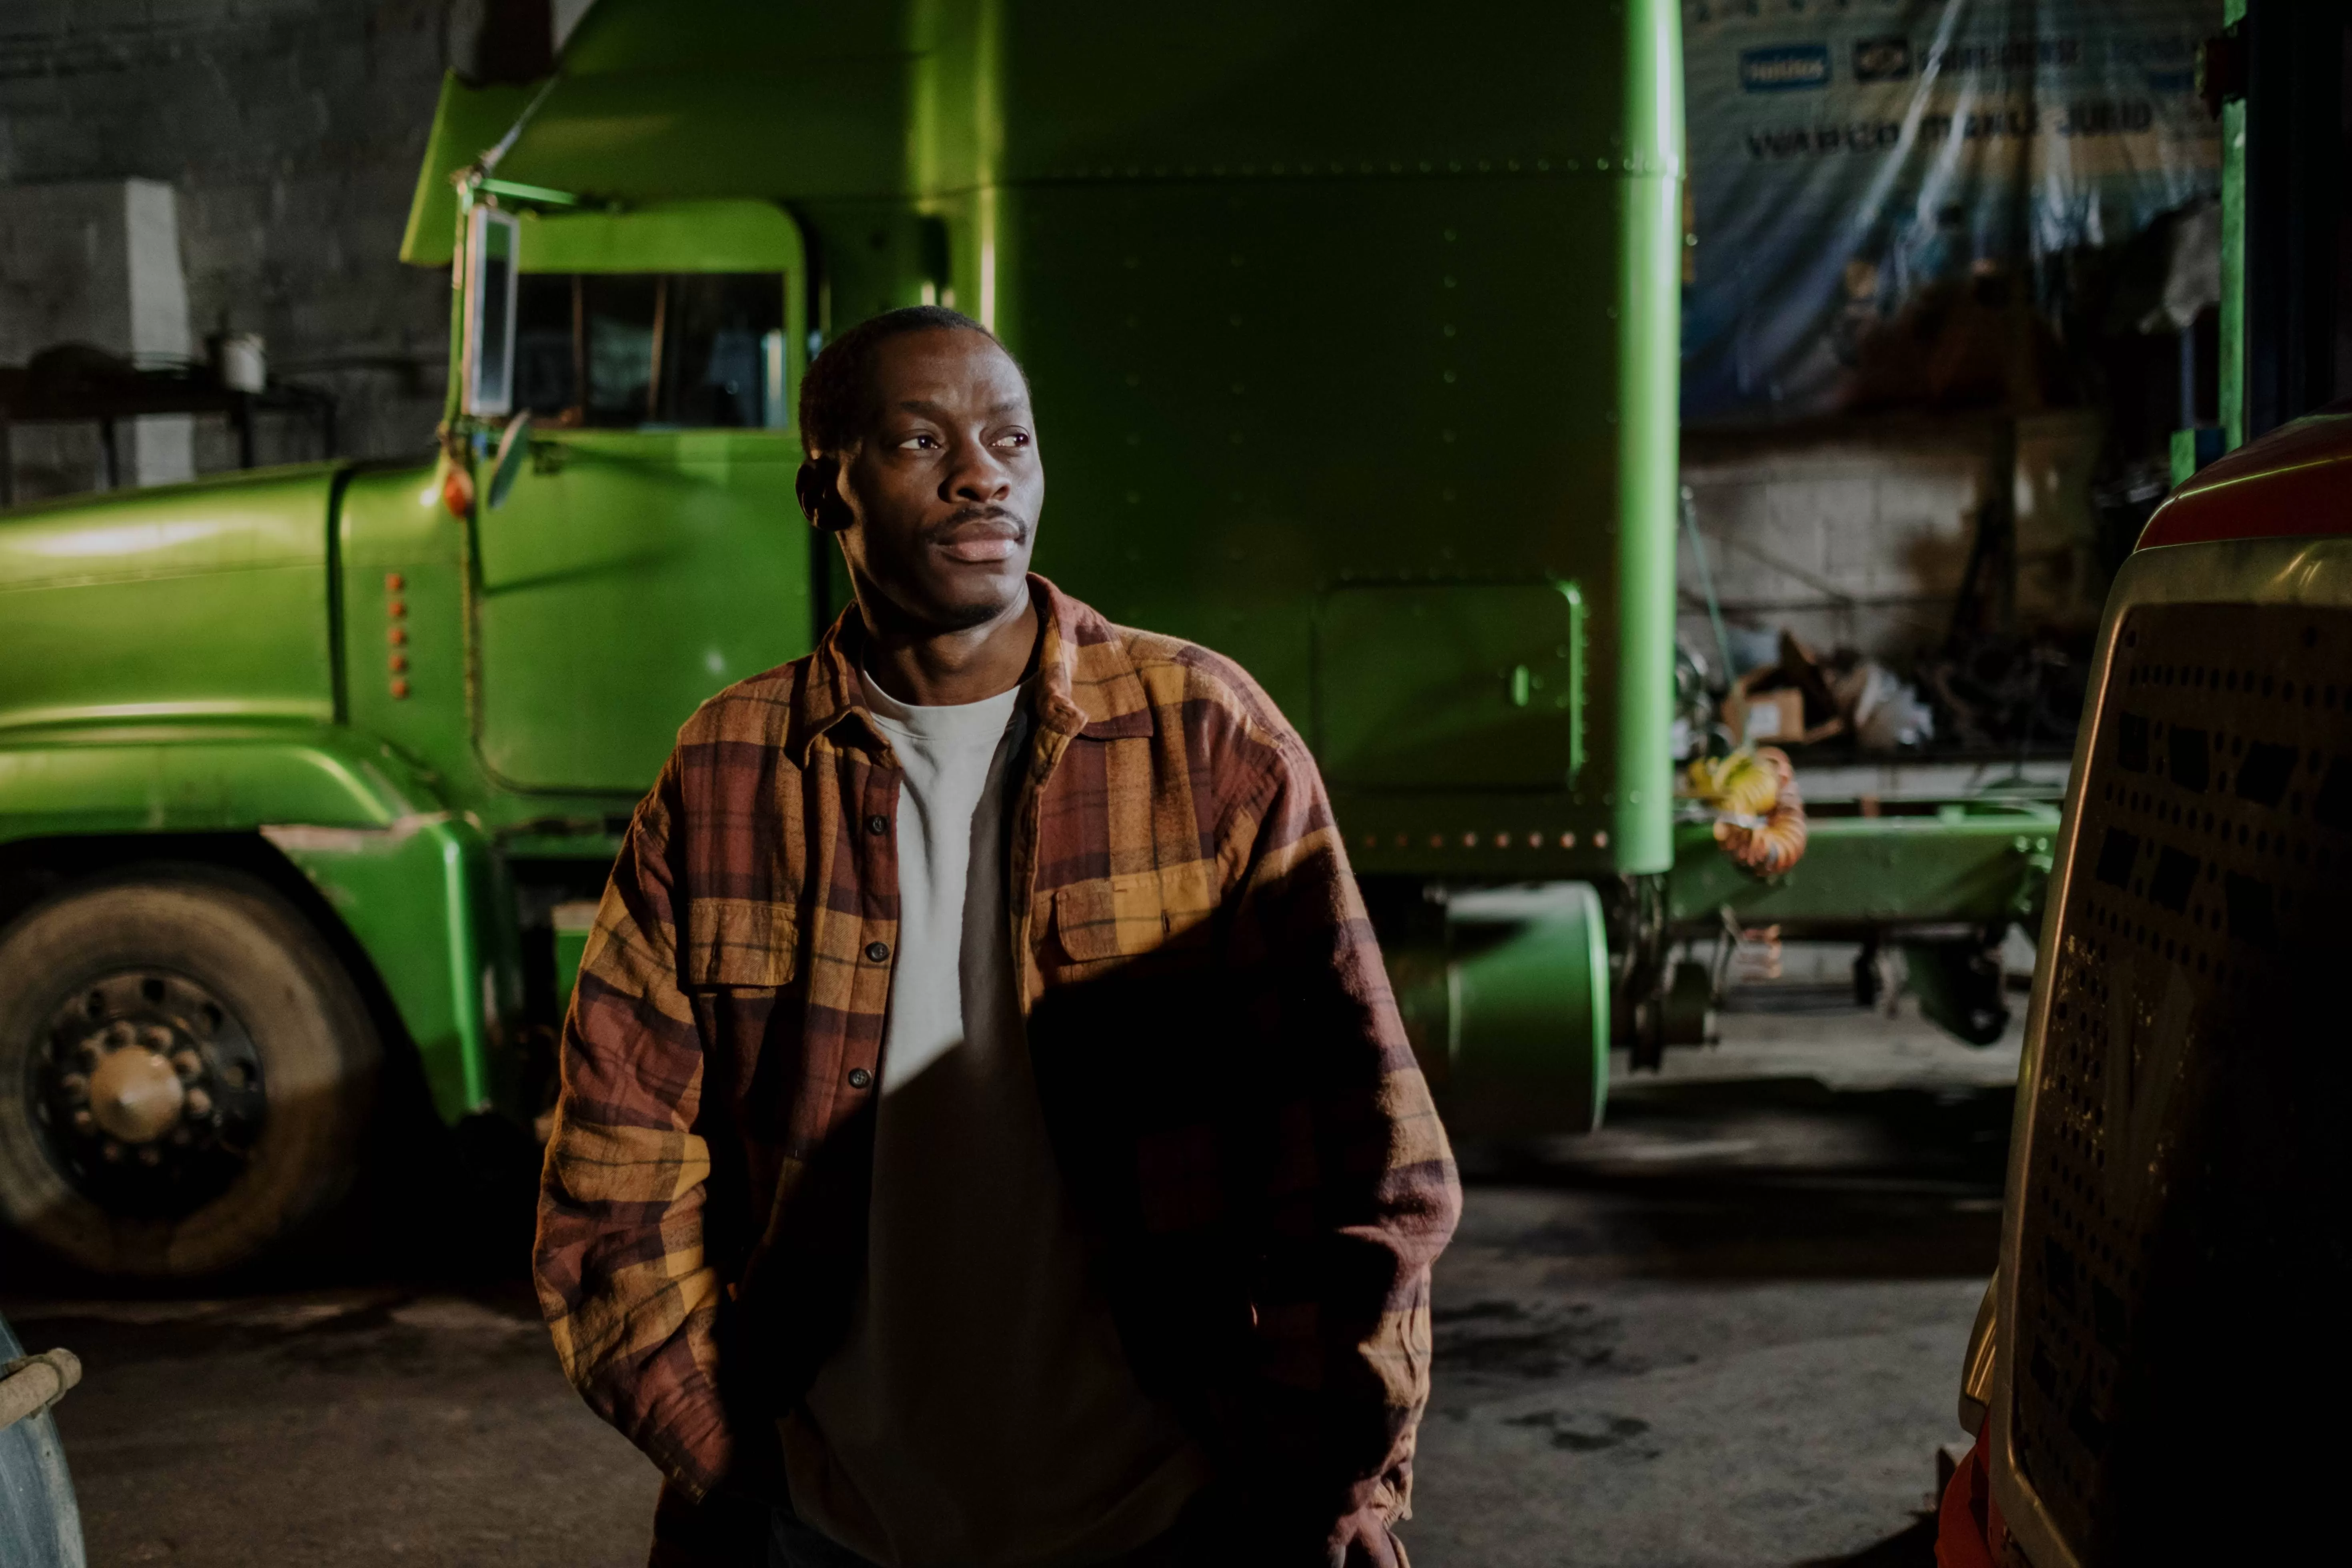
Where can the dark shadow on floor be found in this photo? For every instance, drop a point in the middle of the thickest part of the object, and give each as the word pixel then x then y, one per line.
pixel 1914 1548
pixel 448 1210
pixel 1776 1178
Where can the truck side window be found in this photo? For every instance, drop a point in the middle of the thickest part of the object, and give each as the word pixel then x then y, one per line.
pixel 696 349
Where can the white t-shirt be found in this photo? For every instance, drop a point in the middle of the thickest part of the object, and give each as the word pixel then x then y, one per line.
pixel 980 1413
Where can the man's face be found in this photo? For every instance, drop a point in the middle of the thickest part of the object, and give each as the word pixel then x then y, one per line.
pixel 944 491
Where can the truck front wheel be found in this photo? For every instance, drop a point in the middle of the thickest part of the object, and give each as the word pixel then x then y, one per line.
pixel 185 1072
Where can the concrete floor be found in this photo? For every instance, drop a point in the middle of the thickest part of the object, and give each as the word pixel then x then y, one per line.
pixel 1726 1330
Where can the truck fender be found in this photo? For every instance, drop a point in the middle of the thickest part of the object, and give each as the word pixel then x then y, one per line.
pixel 420 889
pixel 428 900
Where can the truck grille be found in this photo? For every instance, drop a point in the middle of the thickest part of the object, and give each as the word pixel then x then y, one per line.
pixel 2181 1257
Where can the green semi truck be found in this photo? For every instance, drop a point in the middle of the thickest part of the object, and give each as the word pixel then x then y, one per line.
pixel 1354 335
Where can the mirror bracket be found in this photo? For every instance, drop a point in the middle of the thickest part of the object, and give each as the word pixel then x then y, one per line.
pixel 514 446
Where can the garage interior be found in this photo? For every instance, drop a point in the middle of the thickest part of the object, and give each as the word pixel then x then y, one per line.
pixel 1935 380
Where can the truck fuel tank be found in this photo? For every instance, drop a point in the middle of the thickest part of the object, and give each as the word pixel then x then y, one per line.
pixel 1509 1011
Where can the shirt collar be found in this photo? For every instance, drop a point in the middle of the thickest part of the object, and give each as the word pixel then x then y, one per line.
pixel 1086 687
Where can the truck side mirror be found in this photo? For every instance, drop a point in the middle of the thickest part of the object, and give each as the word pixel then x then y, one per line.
pixel 493 240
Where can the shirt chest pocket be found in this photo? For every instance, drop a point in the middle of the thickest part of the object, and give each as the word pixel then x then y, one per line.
pixel 731 945
pixel 740 961
pixel 1110 920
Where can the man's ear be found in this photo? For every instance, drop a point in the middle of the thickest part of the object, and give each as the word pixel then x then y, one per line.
pixel 818 489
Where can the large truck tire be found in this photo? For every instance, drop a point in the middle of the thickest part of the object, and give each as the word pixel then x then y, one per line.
pixel 185 1072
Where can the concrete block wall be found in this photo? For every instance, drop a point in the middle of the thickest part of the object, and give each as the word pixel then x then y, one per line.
pixel 95 262
pixel 289 132
pixel 1857 533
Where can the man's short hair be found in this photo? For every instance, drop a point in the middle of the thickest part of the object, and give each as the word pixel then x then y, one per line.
pixel 835 392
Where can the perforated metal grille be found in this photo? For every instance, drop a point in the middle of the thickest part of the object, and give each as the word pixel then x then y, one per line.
pixel 2184 1163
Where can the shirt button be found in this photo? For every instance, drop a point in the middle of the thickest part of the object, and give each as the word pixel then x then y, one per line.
pixel 859 1078
pixel 877 825
pixel 876 952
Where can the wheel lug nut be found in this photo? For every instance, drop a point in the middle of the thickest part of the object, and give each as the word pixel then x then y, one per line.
pixel 149 1155
pixel 83 1121
pixel 188 1064
pixel 112 1152
pixel 73 1083
pixel 200 1104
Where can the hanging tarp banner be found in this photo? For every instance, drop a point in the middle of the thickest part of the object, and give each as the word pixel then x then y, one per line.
pixel 1849 159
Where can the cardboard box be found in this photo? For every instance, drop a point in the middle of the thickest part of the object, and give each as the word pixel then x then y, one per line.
pixel 1774 718
pixel 1777 717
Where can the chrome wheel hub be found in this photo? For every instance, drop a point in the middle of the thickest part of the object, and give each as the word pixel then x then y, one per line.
pixel 149 1092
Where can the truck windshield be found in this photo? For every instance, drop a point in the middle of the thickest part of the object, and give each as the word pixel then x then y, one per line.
pixel 632 350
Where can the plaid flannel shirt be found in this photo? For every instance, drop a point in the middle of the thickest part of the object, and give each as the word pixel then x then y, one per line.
pixel 1259 1174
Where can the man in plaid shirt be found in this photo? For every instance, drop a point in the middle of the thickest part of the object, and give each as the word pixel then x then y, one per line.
pixel 986 1137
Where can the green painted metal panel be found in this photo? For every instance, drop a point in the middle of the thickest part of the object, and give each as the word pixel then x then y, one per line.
pixel 466 123
pixel 402 558
pixel 180 601
pixel 418 887
pixel 2231 351
pixel 1450 686
pixel 1249 90
pixel 1646 418
pixel 764 99
pixel 179 778
pixel 666 237
pixel 754 98
pixel 405 570
pixel 1963 865
pixel 628 577
pixel 1510 1018
pixel 1254 419
pixel 429 902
